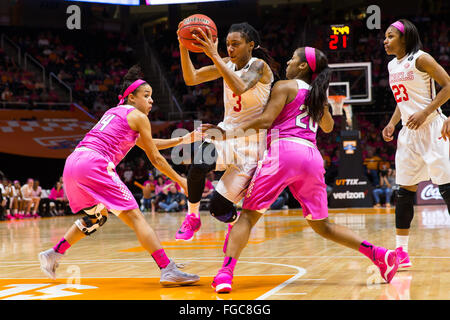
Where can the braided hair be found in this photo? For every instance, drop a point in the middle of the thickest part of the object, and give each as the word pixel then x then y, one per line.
pixel 249 33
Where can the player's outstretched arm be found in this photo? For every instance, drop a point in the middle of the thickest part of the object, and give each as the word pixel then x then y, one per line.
pixel 277 101
pixel 162 144
pixel 139 122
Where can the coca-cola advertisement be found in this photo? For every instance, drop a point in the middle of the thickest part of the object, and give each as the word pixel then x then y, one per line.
pixel 428 193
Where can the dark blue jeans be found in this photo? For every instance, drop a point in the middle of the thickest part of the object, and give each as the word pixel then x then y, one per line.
pixel 379 191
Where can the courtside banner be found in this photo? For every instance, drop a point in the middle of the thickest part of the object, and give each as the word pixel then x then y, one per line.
pixel 48 138
pixel 42 139
pixel 428 194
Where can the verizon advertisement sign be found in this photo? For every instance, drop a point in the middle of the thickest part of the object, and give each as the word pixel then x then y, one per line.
pixel 348 193
pixel 351 189
pixel 428 193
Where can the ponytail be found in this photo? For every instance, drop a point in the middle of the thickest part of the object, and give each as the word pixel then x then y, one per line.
pixel 320 80
pixel 317 97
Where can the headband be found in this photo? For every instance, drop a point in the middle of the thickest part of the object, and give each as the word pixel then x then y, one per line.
pixel 129 90
pixel 310 54
pixel 400 26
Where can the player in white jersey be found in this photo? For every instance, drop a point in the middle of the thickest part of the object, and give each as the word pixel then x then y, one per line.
pixel 247 83
pixel 421 152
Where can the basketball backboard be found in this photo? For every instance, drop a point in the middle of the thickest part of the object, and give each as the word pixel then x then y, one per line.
pixel 353 80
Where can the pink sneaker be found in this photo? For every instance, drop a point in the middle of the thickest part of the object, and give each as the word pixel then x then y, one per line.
pixel 190 225
pixel 387 261
pixel 230 226
pixel 223 280
pixel 35 215
pixel 403 258
pixel 9 217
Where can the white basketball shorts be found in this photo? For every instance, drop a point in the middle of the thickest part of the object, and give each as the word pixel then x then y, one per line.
pixel 239 159
pixel 421 155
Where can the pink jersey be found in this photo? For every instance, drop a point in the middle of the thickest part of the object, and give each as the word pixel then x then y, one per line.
pixel 112 137
pixel 294 121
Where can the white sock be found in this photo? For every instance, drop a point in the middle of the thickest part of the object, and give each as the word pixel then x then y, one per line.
pixel 194 208
pixel 402 241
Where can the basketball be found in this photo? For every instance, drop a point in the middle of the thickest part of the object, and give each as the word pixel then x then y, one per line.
pixel 186 30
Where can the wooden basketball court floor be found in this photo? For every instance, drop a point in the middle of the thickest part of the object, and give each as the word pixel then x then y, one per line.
pixel 284 260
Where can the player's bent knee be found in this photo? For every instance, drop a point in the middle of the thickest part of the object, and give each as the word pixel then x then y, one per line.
pixel 92 221
pixel 222 209
pixel 404 209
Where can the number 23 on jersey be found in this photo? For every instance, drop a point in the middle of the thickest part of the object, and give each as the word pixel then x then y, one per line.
pixel 400 93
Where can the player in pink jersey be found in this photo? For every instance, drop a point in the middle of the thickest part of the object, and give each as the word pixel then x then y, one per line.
pixel 93 186
pixel 421 152
pixel 296 108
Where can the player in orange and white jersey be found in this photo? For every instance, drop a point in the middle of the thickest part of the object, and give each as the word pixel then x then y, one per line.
pixel 247 80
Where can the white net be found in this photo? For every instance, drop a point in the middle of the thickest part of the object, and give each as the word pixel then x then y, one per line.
pixel 348 115
pixel 339 109
pixel 337 103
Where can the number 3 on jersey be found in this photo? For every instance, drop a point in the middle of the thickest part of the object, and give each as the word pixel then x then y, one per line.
pixel 304 113
pixel 237 108
pixel 400 93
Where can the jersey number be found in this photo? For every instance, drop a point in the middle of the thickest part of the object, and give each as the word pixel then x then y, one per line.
pixel 105 120
pixel 312 125
pixel 237 108
pixel 400 93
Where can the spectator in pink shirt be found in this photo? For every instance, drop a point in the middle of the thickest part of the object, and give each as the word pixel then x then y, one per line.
pixel 57 199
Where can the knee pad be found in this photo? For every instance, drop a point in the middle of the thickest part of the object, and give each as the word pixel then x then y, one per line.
pixel 203 153
pixel 222 209
pixel 92 221
pixel 199 171
pixel 404 209
pixel 444 189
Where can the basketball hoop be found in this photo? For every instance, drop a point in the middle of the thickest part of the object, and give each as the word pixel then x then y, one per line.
pixel 339 108
pixel 337 104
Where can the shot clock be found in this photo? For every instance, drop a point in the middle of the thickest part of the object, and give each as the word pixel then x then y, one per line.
pixel 339 38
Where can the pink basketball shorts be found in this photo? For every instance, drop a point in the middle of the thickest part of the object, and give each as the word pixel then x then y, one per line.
pixel 294 165
pixel 90 179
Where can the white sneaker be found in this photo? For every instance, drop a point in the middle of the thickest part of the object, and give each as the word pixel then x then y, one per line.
pixel 49 262
pixel 171 275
